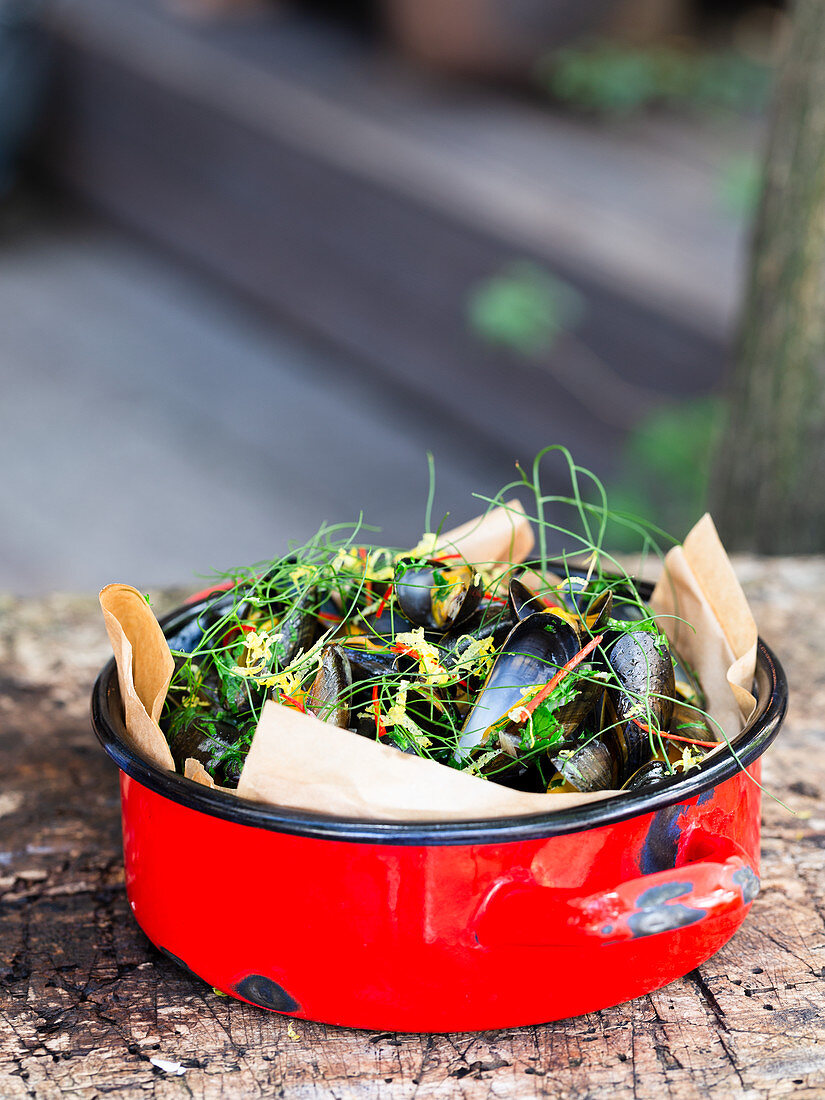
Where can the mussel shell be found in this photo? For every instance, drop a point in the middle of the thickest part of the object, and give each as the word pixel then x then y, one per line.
pixel 534 650
pixel 521 601
pixel 207 742
pixel 589 692
pixel 390 622
pixel 513 773
pixel 329 695
pixel 592 608
pixel 492 620
pixel 435 595
pixel 366 664
pixel 641 661
pixel 597 612
pixel 589 767
pixel 654 771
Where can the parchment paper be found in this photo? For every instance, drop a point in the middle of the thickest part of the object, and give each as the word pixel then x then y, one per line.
pixel 299 762
pixel 700 586
pixel 303 763
pixel 502 535
pixel 144 668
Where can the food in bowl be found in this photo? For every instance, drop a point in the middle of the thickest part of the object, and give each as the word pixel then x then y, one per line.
pixel 539 680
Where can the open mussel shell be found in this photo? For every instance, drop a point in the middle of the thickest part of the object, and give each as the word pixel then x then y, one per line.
pixel 522 601
pixel 592 608
pixel 534 650
pixel 436 595
pixel 597 612
pixel 644 670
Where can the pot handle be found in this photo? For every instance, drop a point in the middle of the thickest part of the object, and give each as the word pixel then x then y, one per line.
pixel 523 913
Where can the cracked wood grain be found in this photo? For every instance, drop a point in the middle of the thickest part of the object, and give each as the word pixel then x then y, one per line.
pixel 86 1002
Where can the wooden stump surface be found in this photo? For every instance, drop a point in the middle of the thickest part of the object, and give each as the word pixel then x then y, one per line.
pixel 86 1002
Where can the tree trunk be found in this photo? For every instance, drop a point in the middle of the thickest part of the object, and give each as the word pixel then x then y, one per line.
pixel 769 477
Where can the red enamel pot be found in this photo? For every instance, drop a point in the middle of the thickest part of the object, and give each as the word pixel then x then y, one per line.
pixel 444 926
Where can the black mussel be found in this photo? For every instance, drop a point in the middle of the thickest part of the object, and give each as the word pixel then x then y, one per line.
pixel 597 612
pixel 534 650
pixel 390 622
pixel 511 772
pixel 627 606
pixel 643 697
pixel 491 620
pixel 436 595
pixel 587 767
pixel 652 772
pixel 341 691
pixel 590 685
pixel 329 694
pixel 522 601
pixel 366 663
pixel 212 743
pixel 590 601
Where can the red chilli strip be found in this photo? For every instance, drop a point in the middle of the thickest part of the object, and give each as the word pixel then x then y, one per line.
pixel 379 725
pixel 383 603
pixel 295 704
pixel 549 688
pixel 676 737
pixel 230 634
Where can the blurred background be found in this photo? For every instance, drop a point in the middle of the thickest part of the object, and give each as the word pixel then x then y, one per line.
pixel 258 258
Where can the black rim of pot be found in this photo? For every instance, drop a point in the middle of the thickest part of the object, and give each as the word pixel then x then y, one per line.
pixel 772 699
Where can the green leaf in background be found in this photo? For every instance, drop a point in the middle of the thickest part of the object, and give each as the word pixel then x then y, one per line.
pixel 739 186
pixel 524 308
pixel 665 466
pixel 613 79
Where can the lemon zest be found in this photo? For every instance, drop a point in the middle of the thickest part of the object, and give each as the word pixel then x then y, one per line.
pixel 424 548
pixel 428 663
pixel 397 716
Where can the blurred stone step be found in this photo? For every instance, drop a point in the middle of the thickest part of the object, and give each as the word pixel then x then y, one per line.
pixel 364 204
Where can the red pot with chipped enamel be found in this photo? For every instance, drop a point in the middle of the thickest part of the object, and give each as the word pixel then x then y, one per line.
pixel 444 926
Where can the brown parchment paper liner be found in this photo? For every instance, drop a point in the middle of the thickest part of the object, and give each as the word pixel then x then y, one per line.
pixel 298 762
pixel 144 668
pixel 718 636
